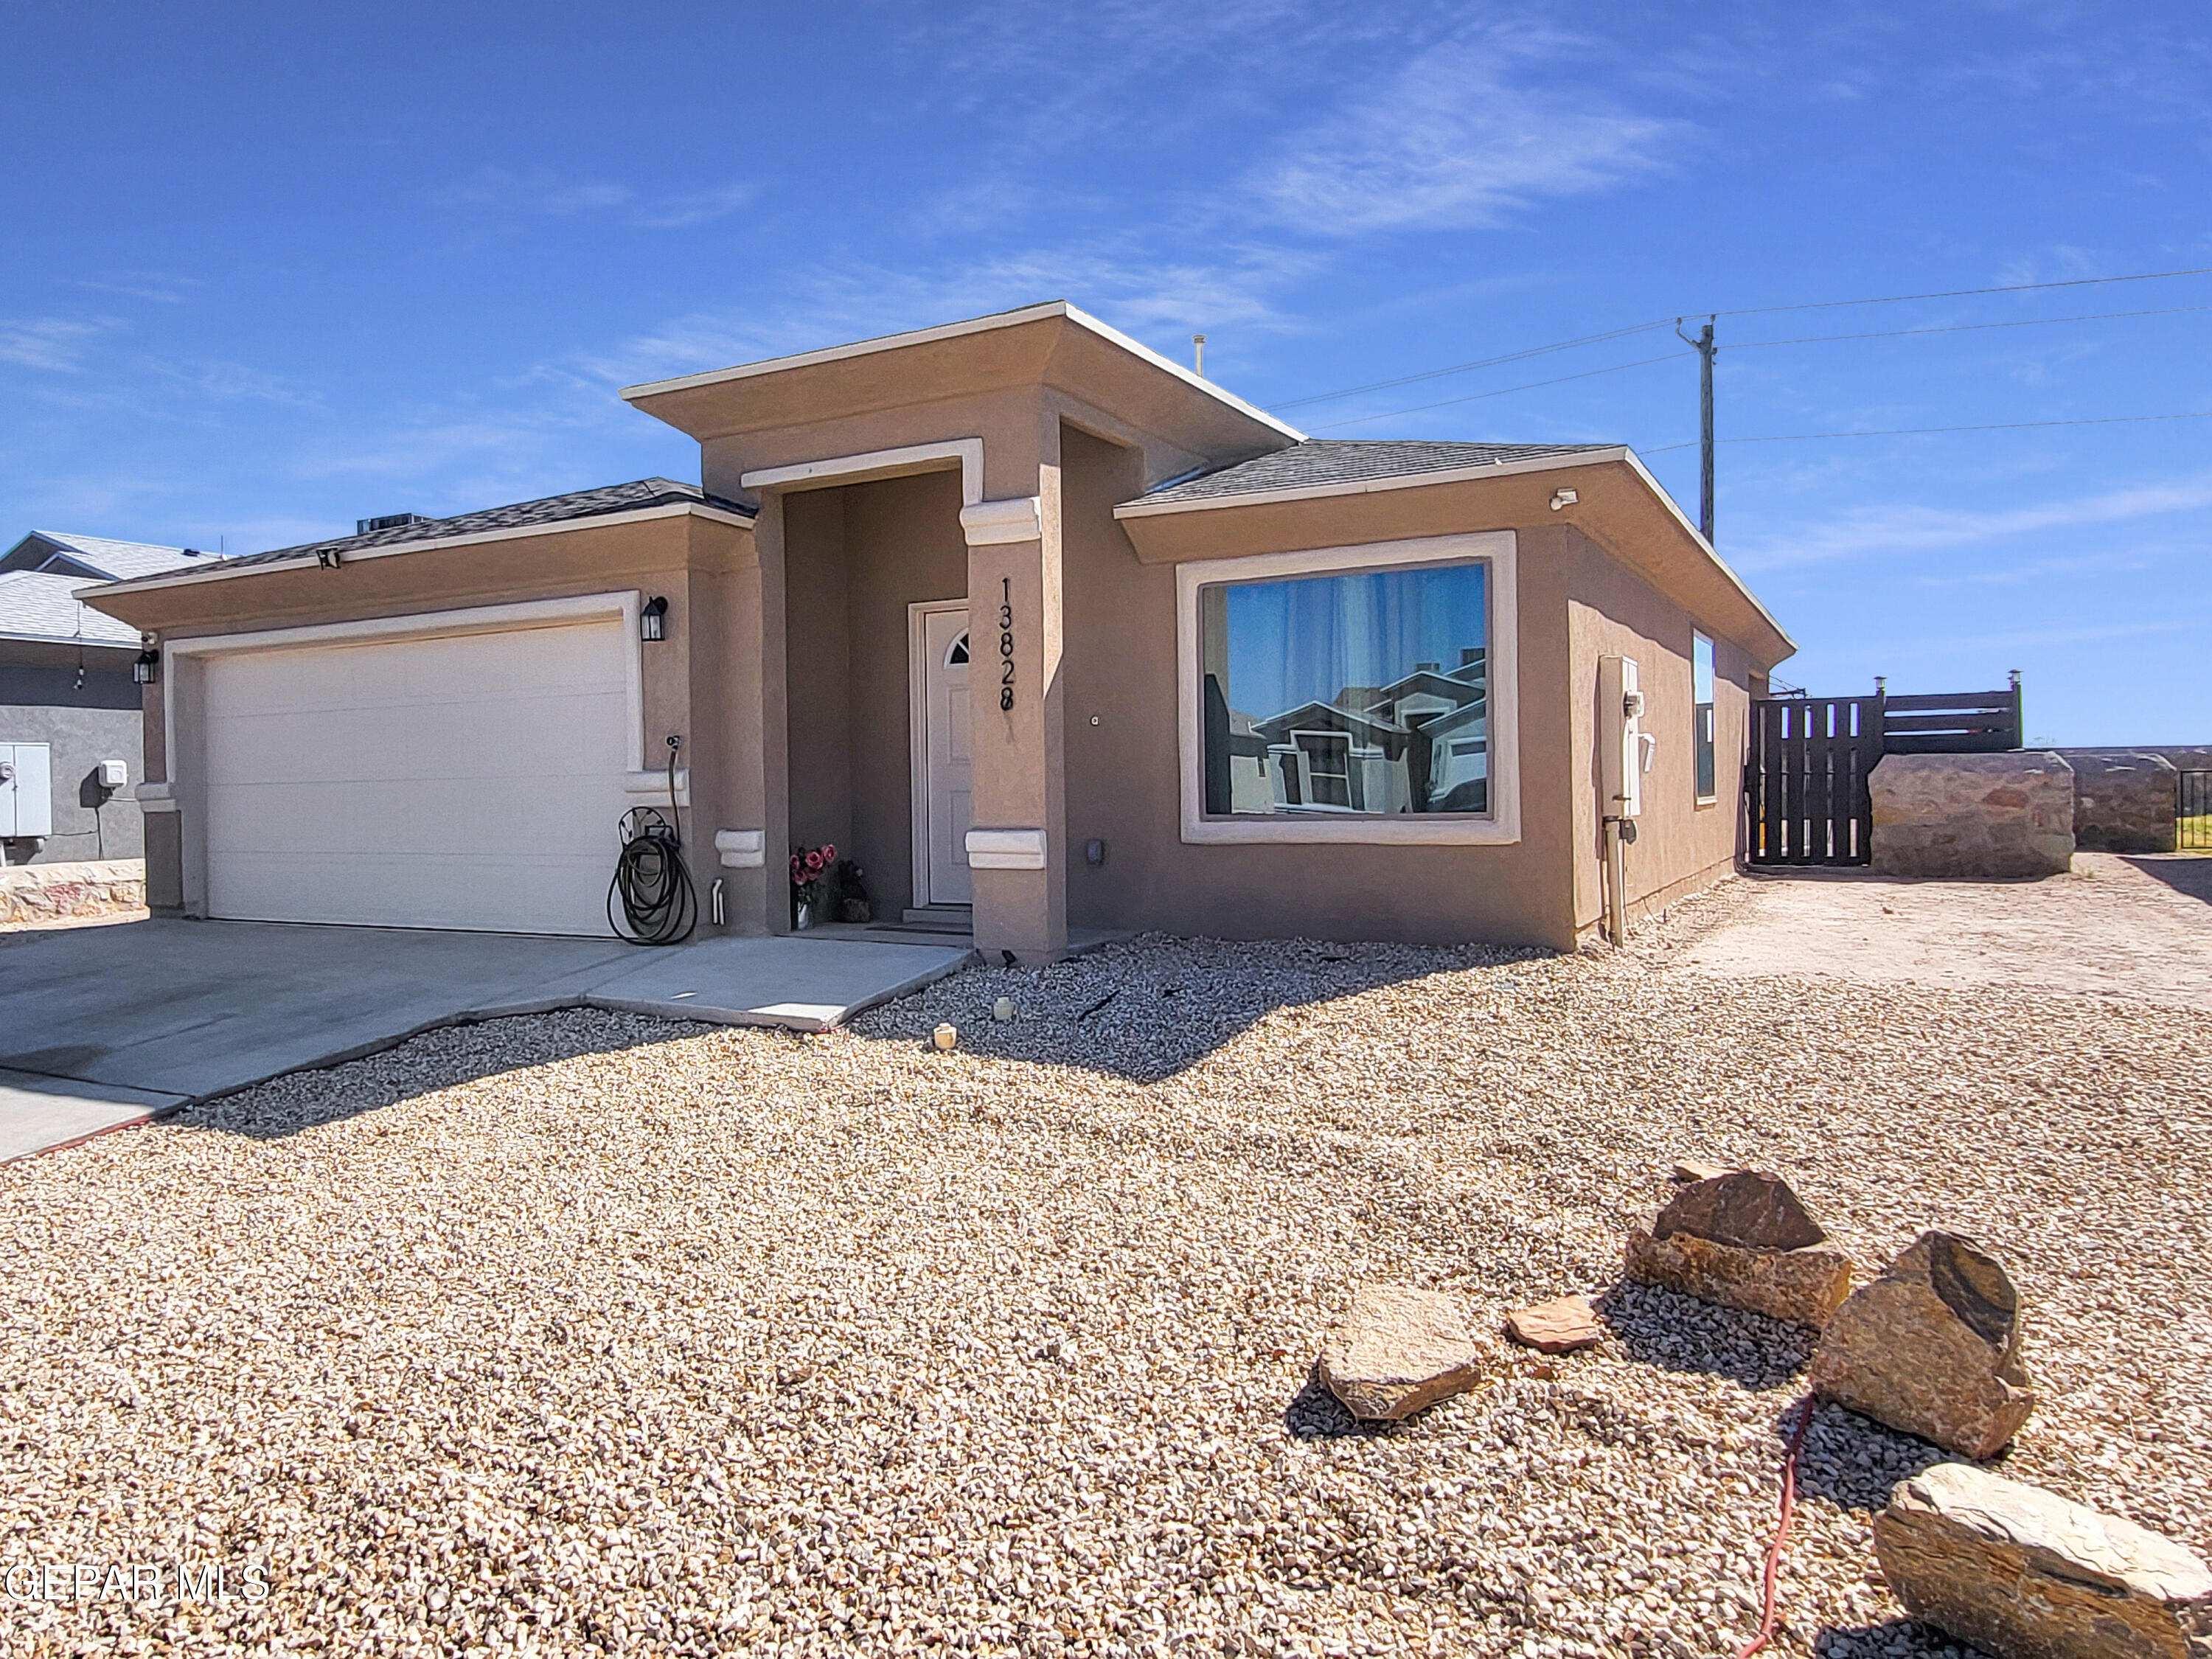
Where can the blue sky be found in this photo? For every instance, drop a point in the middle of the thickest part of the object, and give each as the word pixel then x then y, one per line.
pixel 275 268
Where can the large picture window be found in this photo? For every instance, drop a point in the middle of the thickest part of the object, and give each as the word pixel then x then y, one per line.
pixel 1364 694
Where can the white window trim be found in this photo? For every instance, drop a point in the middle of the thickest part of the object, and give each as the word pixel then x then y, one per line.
pixel 1501 826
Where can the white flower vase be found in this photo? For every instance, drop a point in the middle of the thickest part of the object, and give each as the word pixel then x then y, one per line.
pixel 805 917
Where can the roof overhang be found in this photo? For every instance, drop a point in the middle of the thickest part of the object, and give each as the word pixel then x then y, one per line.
pixel 1139 515
pixel 944 332
pixel 518 533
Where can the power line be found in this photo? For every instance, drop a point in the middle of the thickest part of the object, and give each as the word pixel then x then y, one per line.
pixel 1476 397
pixel 1965 328
pixel 1965 293
pixel 1760 311
pixel 1462 368
pixel 1915 431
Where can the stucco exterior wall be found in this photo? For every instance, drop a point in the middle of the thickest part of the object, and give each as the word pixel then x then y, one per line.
pixel 1681 844
pixel 41 702
pixel 1123 780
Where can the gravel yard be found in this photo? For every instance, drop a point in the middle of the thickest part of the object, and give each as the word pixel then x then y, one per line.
pixel 585 1332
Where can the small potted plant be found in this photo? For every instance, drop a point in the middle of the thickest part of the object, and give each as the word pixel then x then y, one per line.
pixel 808 867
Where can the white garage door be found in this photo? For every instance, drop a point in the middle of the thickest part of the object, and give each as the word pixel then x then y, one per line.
pixel 473 781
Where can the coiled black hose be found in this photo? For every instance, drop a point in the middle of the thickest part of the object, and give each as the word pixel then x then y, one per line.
pixel 650 878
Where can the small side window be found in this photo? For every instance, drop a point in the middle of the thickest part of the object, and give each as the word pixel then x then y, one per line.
pixel 1701 679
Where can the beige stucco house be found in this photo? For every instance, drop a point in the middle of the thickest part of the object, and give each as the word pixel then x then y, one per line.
pixel 1043 629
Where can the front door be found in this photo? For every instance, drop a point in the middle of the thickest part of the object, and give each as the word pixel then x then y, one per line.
pixel 941 808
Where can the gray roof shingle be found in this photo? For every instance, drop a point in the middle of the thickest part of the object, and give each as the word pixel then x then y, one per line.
pixel 1322 461
pixel 99 554
pixel 39 604
pixel 522 516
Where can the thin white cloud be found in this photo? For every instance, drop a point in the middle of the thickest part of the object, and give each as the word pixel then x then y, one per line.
pixel 1891 530
pixel 496 191
pixel 1457 140
pixel 57 343
pixel 1159 299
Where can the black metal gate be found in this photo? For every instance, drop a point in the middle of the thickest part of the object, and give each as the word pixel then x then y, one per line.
pixel 2192 812
pixel 1805 783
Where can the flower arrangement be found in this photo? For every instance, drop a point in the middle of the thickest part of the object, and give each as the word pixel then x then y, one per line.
pixel 808 867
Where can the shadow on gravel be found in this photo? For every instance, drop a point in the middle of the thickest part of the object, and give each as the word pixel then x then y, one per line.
pixel 1853 1462
pixel 1315 1413
pixel 1677 1333
pixel 444 1057
pixel 1894 1638
pixel 1157 1004
pixel 2190 875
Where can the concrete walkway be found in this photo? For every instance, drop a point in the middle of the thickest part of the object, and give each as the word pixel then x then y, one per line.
pixel 102 1026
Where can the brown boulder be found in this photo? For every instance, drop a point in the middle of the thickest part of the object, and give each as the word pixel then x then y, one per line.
pixel 1398 1350
pixel 2020 1571
pixel 1556 1326
pixel 1932 1347
pixel 1749 1209
pixel 1742 1240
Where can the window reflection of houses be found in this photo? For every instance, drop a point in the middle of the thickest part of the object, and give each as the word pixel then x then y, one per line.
pixel 1418 745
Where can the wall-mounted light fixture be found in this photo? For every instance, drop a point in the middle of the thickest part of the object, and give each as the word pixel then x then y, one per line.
pixel 146 668
pixel 1564 498
pixel 652 620
pixel 328 557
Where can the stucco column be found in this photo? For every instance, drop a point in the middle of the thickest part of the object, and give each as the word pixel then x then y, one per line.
pixel 756 883
pixel 1017 849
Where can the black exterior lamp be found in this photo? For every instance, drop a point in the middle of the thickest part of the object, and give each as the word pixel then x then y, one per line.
pixel 652 620
pixel 146 668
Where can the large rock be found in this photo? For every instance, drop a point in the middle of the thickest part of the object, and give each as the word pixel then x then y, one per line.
pixel 1743 1240
pixel 1399 1349
pixel 2025 1573
pixel 2123 803
pixel 2007 816
pixel 1932 1347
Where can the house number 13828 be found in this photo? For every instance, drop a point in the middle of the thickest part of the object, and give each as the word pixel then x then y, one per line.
pixel 1006 643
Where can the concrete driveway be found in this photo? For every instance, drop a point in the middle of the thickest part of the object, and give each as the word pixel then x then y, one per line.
pixel 102 1026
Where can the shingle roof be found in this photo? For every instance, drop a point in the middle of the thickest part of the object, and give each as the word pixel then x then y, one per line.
pixel 117 561
pixel 38 604
pixel 1319 461
pixel 522 515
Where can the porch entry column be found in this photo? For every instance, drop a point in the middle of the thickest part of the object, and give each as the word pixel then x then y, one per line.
pixel 1018 850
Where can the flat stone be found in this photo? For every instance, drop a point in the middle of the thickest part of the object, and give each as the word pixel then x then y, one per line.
pixel 1803 1286
pixel 2020 1572
pixel 1687 1171
pixel 1557 1327
pixel 1749 1209
pixel 1398 1350
pixel 1932 1347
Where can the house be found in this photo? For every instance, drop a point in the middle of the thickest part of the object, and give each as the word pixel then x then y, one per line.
pixel 69 718
pixel 1041 628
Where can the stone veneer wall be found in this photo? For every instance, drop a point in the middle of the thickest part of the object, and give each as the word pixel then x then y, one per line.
pixel 2007 816
pixel 2123 803
pixel 56 892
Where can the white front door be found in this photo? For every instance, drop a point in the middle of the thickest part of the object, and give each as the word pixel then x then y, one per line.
pixel 942 811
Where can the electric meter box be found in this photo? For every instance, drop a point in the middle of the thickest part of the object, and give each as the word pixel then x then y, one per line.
pixel 1623 750
pixel 26 791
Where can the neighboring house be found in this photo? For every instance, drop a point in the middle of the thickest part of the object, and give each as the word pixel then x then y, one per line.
pixel 1222 678
pixel 69 718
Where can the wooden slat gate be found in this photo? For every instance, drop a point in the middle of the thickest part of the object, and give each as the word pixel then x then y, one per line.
pixel 1805 782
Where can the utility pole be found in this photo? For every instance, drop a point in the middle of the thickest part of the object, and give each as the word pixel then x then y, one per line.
pixel 1705 348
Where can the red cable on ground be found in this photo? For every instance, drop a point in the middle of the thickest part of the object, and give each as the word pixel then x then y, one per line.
pixel 1772 1615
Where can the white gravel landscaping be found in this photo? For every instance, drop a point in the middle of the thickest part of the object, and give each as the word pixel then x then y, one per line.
pixel 586 1333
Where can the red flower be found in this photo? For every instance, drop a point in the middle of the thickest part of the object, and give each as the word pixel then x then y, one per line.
pixel 829 854
pixel 814 864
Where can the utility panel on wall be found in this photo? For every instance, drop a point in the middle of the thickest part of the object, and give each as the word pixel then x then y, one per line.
pixel 26 791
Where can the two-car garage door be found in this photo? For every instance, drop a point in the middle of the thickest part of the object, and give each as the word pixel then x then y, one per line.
pixel 471 781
